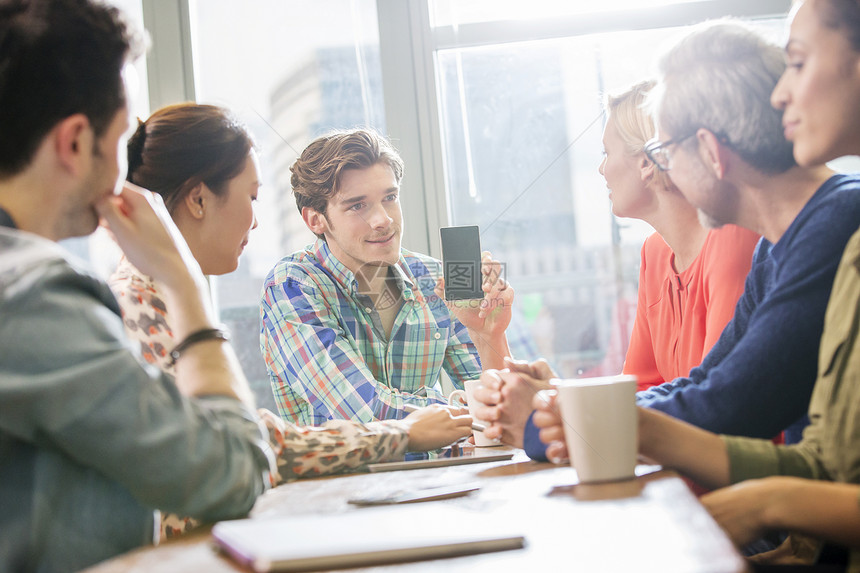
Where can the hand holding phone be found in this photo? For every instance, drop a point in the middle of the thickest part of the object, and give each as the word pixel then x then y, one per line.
pixel 461 262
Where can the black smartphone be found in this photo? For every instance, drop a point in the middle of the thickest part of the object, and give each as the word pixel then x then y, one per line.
pixel 461 262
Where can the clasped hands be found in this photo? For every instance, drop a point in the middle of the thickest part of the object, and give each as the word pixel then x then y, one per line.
pixel 510 396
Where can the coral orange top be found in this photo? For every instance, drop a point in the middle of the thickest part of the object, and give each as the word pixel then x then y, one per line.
pixel 679 316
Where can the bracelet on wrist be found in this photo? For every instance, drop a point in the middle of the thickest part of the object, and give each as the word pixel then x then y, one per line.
pixel 201 335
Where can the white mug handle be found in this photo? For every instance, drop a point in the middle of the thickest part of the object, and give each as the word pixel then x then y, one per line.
pixel 459 396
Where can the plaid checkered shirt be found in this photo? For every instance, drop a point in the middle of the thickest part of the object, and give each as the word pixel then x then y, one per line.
pixel 328 356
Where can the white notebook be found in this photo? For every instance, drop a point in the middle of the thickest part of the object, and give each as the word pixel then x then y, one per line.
pixel 363 537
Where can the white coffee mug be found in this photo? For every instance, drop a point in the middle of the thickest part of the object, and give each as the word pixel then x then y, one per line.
pixel 600 426
pixel 466 398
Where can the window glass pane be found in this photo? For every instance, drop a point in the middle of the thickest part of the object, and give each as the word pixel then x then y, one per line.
pixel 522 127
pixel 291 70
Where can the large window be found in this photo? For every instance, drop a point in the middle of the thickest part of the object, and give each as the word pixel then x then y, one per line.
pixel 496 107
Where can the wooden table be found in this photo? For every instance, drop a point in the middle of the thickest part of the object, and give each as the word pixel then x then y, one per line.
pixel 652 523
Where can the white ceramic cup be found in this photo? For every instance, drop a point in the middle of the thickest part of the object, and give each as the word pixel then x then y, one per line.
pixel 600 426
pixel 466 397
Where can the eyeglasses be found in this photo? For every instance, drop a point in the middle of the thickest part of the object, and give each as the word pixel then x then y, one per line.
pixel 658 151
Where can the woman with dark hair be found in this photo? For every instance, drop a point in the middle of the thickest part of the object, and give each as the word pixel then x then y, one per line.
pixel 203 163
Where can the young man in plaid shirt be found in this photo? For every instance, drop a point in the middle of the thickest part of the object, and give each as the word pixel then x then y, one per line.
pixel 354 326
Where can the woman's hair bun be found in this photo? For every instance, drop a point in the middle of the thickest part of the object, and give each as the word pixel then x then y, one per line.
pixel 135 148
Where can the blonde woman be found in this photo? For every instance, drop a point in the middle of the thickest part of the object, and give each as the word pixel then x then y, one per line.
pixel 690 277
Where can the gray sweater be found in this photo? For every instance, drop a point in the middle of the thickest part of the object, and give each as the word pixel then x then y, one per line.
pixel 91 440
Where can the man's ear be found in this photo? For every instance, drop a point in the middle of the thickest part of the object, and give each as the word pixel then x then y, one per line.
pixel 315 220
pixel 714 154
pixel 196 201
pixel 74 142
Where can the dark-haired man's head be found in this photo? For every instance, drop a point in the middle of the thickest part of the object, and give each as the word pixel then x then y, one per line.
pixel 64 70
pixel 58 58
